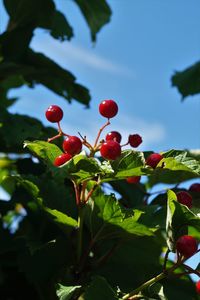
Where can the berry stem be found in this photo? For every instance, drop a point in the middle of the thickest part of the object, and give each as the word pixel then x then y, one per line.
pixel 165 259
pixel 80 231
pixel 144 285
pixel 99 133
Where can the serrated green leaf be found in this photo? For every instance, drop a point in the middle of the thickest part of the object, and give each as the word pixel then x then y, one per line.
pixel 96 13
pixel 178 218
pixel 99 289
pixel 130 163
pixel 107 219
pixel 175 167
pixel 66 292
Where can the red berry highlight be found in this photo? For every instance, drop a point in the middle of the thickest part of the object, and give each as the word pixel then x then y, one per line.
pixel 184 198
pixel 72 145
pixel 198 287
pixel 153 160
pixel 108 108
pixel 134 179
pixel 114 136
pixel 54 114
pixel 61 159
pixel 195 187
pixel 134 140
pixel 186 245
pixel 110 150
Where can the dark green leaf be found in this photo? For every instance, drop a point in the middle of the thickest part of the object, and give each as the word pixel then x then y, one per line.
pixel 178 218
pixel 99 289
pixel 96 13
pixel 66 292
pixel 60 28
pixel 188 81
pixel 107 219
pixel 20 127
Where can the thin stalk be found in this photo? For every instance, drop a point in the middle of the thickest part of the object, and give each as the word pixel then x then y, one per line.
pixel 99 133
pixel 144 285
pixel 80 231
pixel 165 260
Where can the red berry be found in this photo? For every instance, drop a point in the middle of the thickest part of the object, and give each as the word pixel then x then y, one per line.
pixel 198 287
pixel 72 145
pixel 195 187
pixel 134 179
pixel 184 198
pixel 108 108
pixel 54 114
pixel 153 160
pixel 134 140
pixel 114 135
pixel 110 150
pixel 186 245
pixel 61 159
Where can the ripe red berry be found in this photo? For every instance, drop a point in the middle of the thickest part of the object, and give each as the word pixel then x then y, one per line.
pixel 134 140
pixel 108 108
pixel 110 150
pixel 72 145
pixel 186 245
pixel 134 179
pixel 184 198
pixel 198 287
pixel 153 160
pixel 114 135
pixel 61 159
pixel 54 114
pixel 195 187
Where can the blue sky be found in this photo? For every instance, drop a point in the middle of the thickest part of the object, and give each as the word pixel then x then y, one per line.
pixel 132 62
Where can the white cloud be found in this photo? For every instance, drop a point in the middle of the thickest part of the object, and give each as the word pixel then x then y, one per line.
pixel 67 52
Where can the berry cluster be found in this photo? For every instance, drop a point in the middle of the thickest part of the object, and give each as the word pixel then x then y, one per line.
pixel 110 147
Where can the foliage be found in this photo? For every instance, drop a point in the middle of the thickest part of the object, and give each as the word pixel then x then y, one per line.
pixel 80 231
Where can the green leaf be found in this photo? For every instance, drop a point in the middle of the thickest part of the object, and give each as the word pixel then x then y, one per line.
pixel 79 168
pixel 130 163
pixel 44 150
pixel 132 194
pixel 41 14
pixel 66 292
pixel 106 219
pixel 20 127
pixel 179 217
pixel 60 28
pixel 178 167
pixel 96 13
pixel 99 289
pixel 66 223
pixel 188 81
pixel 43 70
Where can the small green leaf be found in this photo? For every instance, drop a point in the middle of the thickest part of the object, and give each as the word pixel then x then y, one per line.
pixel 96 13
pixel 188 81
pixel 99 289
pixel 179 217
pixel 66 292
